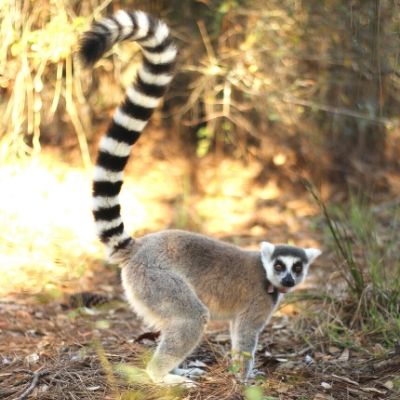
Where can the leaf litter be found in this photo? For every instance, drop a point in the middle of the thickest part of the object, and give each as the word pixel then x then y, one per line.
pixel 70 355
pixel 80 341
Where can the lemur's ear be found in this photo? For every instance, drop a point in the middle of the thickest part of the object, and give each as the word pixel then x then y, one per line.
pixel 312 254
pixel 267 249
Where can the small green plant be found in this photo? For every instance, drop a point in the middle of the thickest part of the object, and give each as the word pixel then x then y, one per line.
pixel 366 255
pixel 239 358
pixel 396 384
pixel 256 393
pixel 253 393
pixel 340 335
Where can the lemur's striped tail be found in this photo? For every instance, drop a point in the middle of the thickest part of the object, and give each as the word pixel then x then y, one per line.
pixel 153 77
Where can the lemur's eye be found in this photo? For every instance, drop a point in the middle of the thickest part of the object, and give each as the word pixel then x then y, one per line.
pixel 297 267
pixel 279 266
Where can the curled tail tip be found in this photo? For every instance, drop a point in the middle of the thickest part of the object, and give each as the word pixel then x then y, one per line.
pixel 92 46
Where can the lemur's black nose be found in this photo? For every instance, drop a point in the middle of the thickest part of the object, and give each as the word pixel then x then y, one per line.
pixel 288 281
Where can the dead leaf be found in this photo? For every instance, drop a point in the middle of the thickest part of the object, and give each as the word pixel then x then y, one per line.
pixel 379 349
pixel 222 338
pixel 287 366
pixel 326 385
pixel 32 358
pixel 93 388
pixel 322 356
pixel 4 325
pixel 333 349
pixel 388 385
pixel 278 326
pixel 283 388
pixel 22 314
pixel 344 356
pixel 288 309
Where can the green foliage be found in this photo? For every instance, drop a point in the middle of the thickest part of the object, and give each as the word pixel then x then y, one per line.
pixel 339 334
pixel 396 384
pixel 352 271
pixel 367 257
pixel 50 293
pixel 256 393
pixel 102 324
pixel 132 374
pixel 204 140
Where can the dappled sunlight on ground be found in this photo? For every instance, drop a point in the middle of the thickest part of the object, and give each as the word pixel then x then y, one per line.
pixel 47 235
pixel 46 232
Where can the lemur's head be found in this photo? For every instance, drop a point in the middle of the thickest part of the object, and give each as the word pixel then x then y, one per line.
pixel 286 266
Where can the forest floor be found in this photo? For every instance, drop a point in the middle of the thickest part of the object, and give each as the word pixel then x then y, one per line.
pixel 57 343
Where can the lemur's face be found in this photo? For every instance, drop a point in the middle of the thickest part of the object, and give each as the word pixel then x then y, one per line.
pixel 286 266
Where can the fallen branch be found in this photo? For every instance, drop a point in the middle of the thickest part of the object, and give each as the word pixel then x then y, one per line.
pixel 35 379
pixel 345 379
pixel 392 362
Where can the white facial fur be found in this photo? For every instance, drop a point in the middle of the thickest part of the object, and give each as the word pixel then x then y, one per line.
pixel 288 276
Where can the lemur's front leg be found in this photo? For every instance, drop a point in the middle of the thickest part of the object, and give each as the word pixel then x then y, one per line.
pixel 245 330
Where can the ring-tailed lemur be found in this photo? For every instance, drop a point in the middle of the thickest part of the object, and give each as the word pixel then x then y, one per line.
pixel 177 280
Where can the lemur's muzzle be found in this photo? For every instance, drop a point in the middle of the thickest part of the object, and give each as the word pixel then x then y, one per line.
pixel 288 281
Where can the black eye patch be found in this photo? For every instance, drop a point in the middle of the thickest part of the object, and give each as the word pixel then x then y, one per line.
pixel 297 267
pixel 279 266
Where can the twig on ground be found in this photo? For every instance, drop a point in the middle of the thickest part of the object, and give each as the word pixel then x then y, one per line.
pixel 391 362
pixel 35 379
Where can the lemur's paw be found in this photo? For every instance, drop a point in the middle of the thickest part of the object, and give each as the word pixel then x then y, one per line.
pixel 254 374
pixel 172 379
pixel 250 377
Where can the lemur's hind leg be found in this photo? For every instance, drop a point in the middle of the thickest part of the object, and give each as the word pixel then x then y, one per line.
pixel 166 298
pixel 178 340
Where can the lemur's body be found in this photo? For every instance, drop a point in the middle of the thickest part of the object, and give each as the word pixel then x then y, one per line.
pixel 177 280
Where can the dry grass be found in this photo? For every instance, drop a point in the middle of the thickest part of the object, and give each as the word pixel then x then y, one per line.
pixel 40 73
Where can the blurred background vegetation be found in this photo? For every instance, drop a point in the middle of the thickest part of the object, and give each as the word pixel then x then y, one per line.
pixel 304 87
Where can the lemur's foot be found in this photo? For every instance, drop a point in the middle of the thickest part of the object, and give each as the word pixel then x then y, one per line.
pixel 254 374
pixel 250 377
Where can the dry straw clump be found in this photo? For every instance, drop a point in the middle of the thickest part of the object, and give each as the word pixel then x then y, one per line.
pixel 39 76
